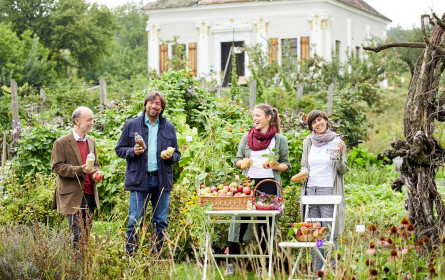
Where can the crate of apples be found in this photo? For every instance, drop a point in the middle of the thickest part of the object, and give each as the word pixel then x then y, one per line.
pixel 232 189
pixel 226 196
pixel 308 232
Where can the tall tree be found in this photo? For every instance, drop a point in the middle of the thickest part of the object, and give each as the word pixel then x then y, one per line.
pixel 421 152
pixel 129 48
pixel 26 15
pixel 407 55
pixel 23 58
pixel 77 34
pixel 81 35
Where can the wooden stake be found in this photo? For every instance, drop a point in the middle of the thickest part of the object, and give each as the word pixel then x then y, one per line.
pixel 103 93
pixel 330 99
pixel 252 96
pixel 14 102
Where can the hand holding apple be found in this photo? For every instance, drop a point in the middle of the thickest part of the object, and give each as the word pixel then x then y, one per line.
pixel 168 153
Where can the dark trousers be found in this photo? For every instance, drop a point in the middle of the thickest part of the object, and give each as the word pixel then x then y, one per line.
pixel 261 229
pixel 80 223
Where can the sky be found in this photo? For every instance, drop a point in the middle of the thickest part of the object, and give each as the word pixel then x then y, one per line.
pixel 405 13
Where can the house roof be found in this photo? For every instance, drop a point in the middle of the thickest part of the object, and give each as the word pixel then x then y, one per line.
pixel 165 4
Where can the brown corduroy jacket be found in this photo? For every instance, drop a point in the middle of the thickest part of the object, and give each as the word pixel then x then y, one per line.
pixel 66 162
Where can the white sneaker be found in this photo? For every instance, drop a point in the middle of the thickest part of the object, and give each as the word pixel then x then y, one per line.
pixel 230 270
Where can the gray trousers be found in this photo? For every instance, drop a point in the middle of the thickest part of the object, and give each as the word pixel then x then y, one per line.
pixel 321 211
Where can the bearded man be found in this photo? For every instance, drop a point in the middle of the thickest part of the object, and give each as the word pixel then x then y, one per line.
pixel 149 175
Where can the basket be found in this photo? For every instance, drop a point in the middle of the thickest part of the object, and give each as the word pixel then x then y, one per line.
pixel 310 237
pixel 225 202
pixel 266 207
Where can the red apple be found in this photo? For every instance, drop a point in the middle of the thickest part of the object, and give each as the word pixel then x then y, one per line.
pixel 246 190
pixel 240 188
pixel 226 188
pixel 214 189
pixel 98 177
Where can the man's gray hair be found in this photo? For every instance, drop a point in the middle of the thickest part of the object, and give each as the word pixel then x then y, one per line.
pixel 76 114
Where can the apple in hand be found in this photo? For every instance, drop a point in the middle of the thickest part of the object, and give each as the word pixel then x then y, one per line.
pixel 97 176
pixel 171 150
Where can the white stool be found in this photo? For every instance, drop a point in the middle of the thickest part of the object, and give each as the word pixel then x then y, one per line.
pixel 306 201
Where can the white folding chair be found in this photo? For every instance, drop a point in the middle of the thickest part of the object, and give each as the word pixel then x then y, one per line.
pixel 306 202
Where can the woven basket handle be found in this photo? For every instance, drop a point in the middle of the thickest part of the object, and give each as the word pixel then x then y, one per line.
pixel 267 180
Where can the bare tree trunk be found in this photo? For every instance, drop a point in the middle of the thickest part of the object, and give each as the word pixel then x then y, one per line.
pixel 421 151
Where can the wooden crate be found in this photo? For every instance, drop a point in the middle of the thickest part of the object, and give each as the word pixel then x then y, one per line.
pixel 225 202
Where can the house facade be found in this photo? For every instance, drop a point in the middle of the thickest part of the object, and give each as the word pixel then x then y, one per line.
pixel 207 29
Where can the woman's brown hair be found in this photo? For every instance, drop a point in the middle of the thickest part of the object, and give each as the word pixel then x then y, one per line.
pixel 270 111
pixel 315 114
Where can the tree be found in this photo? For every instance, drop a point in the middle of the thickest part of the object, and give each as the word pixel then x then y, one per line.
pixel 23 59
pixel 10 58
pixel 77 34
pixel 421 152
pixel 409 56
pixel 27 15
pixel 81 35
pixel 129 47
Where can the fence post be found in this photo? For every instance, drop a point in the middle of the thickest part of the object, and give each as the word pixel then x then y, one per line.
pixel 3 154
pixel 14 102
pixel 42 100
pixel 252 95
pixel 300 89
pixel 299 92
pixel 103 93
pixel 330 99
pixel 218 92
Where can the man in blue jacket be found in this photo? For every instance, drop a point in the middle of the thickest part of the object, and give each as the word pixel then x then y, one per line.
pixel 148 175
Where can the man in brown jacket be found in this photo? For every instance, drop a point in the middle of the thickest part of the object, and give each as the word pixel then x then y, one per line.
pixel 76 194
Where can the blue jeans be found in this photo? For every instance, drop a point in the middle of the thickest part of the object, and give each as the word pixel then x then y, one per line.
pixel 138 204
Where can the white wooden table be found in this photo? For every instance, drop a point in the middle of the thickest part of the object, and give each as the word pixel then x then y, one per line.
pixel 240 213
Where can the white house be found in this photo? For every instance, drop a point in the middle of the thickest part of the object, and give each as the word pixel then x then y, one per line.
pixel 207 29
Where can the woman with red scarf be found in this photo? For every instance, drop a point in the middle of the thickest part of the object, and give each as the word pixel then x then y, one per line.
pixel 260 140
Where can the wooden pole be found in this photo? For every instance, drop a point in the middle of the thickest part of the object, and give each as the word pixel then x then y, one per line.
pixel 300 90
pixel 14 102
pixel 3 153
pixel 103 93
pixel 252 96
pixel 42 100
pixel 330 99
